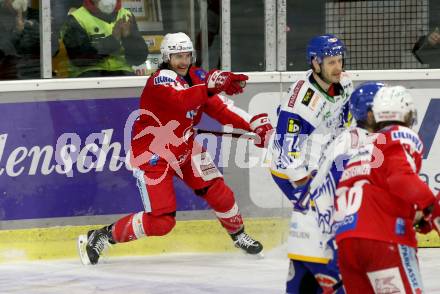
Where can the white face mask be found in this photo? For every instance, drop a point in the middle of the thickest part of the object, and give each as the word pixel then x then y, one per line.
pixel 107 6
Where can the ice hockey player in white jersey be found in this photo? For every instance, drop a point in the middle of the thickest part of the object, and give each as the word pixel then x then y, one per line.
pixel 314 112
pixel 331 166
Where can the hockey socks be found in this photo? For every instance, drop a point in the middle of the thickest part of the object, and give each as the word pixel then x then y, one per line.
pixel 231 220
pixel 138 225
pixel 221 199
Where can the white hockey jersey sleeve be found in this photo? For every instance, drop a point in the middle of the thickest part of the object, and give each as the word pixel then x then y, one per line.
pixel 318 222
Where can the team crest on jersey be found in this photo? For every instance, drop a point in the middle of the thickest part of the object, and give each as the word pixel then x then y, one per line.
pixel 163 80
pixel 200 73
pixel 293 126
pixel 308 97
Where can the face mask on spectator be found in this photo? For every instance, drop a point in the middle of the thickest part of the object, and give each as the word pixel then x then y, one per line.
pixel 106 6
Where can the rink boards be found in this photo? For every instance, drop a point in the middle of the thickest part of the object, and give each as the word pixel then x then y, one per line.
pixel 187 236
pixel 48 198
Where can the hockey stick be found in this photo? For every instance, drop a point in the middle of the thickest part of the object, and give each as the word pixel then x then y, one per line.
pixel 247 136
pixel 338 285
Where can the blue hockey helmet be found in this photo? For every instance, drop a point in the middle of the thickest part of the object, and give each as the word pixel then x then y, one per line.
pixel 322 46
pixel 361 100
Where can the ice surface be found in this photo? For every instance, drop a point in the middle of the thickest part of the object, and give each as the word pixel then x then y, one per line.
pixel 176 273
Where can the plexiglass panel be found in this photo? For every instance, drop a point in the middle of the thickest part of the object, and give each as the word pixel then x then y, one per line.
pixel 20 40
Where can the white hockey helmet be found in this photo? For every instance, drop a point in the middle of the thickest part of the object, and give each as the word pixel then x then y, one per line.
pixel 176 43
pixel 394 104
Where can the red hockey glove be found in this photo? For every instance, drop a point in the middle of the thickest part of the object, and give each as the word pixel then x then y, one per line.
pixel 260 125
pixel 431 219
pixel 218 81
pixel 423 226
pixel 435 215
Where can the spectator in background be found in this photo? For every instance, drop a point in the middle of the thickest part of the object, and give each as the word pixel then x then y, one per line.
pixel 102 39
pixel 19 41
pixel 427 49
pixel 59 11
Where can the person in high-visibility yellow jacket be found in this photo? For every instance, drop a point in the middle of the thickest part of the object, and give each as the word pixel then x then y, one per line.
pixel 102 39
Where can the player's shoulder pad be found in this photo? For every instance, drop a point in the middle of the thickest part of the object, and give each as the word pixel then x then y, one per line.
pixel 406 136
pixel 164 76
pixel 304 100
pixel 349 139
pixel 341 144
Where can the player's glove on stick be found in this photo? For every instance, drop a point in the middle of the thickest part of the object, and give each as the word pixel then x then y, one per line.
pixel 435 215
pixel 218 81
pixel 431 219
pixel 261 126
pixel 423 226
pixel 300 195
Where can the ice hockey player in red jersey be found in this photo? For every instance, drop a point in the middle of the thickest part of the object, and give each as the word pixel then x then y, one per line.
pixel 378 200
pixel 163 146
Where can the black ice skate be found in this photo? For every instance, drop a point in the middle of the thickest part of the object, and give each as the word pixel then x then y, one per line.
pixel 91 246
pixel 246 243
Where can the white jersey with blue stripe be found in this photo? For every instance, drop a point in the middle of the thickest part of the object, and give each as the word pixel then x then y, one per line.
pixel 331 166
pixel 317 222
pixel 308 119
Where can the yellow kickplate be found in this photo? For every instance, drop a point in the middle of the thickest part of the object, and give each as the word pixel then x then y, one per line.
pixel 187 236
pixel 429 240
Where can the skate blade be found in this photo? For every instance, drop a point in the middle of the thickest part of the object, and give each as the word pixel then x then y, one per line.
pixel 259 255
pixel 82 243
